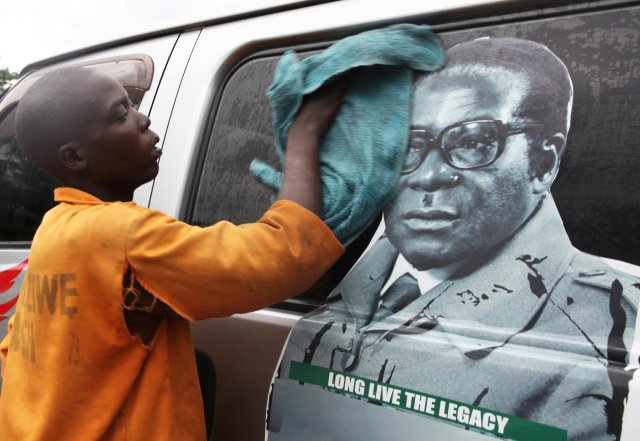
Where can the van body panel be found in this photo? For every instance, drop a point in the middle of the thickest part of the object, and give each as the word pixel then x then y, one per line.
pixel 163 99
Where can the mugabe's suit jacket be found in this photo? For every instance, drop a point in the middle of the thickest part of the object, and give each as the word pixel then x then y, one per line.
pixel 535 329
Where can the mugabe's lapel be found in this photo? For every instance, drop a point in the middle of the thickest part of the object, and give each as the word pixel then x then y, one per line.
pixel 360 288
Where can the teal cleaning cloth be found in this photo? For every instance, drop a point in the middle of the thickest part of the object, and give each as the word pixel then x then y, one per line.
pixel 363 151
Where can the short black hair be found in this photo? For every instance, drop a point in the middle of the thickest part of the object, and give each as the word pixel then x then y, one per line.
pixel 44 115
pixel 550 93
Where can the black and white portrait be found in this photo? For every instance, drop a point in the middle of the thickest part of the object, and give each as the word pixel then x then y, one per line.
pixel 472 289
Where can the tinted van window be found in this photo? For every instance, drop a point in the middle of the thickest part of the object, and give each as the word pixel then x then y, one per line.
pixel 242 131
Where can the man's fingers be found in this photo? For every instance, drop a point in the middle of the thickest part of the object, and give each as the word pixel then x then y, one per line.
pixel 336 86
pixel 320 108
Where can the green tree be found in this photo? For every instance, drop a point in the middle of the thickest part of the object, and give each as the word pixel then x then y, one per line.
pixel 6 77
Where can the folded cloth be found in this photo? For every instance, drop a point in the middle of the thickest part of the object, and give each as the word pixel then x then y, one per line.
pixel 362 153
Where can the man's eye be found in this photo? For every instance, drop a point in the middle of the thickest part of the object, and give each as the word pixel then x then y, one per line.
pixel 123 116
pixel 413 154
pixel 469 144
pixel 473 143
pixel 417 143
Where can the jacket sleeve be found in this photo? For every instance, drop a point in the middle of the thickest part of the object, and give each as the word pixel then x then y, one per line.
pixel 226 269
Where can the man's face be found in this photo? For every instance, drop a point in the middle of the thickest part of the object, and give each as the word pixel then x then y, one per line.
pixel 120 148
pixel 439 214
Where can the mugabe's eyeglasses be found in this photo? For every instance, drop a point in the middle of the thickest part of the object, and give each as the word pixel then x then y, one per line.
pixel 466 145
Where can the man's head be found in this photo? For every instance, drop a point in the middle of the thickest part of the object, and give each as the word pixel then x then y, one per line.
pixel 487 134
pixel 79 127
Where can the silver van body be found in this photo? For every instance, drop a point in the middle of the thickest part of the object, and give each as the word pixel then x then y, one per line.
pixel 206 99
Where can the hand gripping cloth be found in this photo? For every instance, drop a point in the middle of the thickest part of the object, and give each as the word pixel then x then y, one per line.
pixel 363 151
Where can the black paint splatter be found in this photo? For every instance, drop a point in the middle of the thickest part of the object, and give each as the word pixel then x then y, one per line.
pixel 470 296
pixel 315 342
pixel 617 355
pixel 536 281
pixel 498 288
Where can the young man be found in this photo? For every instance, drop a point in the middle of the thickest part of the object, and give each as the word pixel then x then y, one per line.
pixel 100 345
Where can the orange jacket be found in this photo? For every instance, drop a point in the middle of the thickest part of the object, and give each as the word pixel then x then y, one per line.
pixel 72 369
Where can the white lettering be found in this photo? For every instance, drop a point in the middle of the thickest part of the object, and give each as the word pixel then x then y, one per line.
pixel 347 384
pixel 502 423
pixel 463 414
pixel 421 402
pixel 476 418
pixel 371 393
pixel 409 399
pixel 451 414
pixel 359 387
pixel 442 409
pixel 396 397
pixel 489 421
pixel 431 402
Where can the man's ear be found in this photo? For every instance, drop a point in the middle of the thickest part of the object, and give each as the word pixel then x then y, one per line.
pixel 72 157
pixel 549 159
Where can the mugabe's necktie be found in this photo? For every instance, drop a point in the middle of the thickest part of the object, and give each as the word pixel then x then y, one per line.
pixel 402 292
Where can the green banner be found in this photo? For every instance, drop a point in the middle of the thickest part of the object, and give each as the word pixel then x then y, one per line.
pixel 465 415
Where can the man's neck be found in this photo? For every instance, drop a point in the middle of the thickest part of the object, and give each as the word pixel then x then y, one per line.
pixel 104 194
pixel 427 279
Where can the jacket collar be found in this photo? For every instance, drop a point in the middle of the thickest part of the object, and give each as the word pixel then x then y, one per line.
pixel 491 300
pixel 78 197
pixel 360 288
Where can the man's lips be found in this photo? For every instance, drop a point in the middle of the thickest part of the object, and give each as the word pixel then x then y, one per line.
pixel 156 152
pixel 431 219
pixel 432 214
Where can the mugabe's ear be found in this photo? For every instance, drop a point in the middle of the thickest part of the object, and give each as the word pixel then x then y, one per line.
pixel 548 161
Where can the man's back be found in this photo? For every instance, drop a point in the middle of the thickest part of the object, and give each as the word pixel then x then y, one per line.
pixel 80 367
pixel 75 371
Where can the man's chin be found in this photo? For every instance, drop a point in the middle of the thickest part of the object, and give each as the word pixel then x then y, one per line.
pixel 426 258
pixel 148 177
pixel 151 174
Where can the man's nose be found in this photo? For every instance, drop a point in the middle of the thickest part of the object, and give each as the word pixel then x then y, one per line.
pixel 144 121
pixel 434 173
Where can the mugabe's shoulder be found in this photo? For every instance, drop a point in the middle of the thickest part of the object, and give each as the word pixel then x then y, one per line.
pixel 603 282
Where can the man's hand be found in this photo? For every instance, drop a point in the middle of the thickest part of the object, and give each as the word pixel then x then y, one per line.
pixel 301 181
